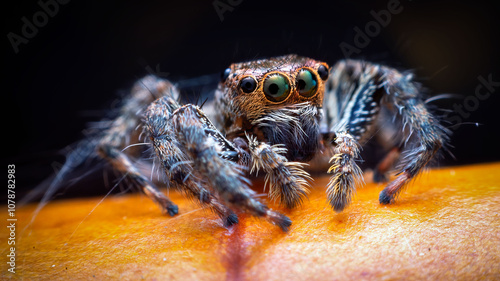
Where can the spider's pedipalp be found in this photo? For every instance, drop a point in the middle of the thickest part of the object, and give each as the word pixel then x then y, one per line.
pixel 287 181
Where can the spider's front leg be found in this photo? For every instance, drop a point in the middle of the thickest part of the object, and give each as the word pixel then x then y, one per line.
pixel 346 173
pixel 358 90
pixel 194 154
pixel 174 159
pixel 351 103
pixel 287 181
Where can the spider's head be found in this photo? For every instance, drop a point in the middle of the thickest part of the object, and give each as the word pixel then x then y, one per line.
pixel 276 99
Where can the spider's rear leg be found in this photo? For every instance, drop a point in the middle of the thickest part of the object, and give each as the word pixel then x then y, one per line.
pixel 123 130
pixel 122 163
pixel 429 137
pixel 386 164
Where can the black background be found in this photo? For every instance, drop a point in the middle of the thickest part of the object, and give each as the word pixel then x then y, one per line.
pixel 76 65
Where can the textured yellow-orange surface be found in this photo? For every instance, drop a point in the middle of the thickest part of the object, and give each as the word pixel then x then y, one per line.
pixel 446 226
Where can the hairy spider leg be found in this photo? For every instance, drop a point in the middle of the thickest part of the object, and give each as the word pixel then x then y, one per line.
pixel 364 88
pixel 423 134
pixel 204 151
pixel 122 163
pixel 385 165
pixel 351 105
pixel 117 137
pixel 346 173
pixel 176 163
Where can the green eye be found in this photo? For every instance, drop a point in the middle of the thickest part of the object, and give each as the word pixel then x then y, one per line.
pixel 306 83
pixel 276 87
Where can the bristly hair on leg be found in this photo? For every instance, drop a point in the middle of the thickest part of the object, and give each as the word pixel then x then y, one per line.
pixel 346 173
pixel 426 134
pixel 223 176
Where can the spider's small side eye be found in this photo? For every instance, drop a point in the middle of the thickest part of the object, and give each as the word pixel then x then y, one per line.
pixel 248 84
pixel 323 72
pixel 306 83
pixel 224 75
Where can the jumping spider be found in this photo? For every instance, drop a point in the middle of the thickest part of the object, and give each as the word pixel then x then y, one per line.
pixel 273 115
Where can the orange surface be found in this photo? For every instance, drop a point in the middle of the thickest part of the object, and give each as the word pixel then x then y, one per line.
pixel 445 226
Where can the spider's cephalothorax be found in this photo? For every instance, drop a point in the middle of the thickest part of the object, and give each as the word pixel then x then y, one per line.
pixel 273 115
pixel 277 100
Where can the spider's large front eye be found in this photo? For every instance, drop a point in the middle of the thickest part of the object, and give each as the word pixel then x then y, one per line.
pixel 248 84
pixel 306 83
pixel 276 87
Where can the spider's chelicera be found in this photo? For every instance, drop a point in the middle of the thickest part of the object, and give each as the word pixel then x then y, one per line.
pixel 274 115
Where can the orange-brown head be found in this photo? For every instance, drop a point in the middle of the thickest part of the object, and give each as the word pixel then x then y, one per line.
pixel 277 100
